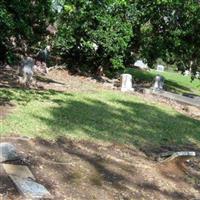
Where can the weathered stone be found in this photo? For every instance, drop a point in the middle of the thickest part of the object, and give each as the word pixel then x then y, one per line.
pixel 140 64
pixel 29 188
pixel 126 83
pixel 8 152
pixel 179 98
pixel 18 170
pixel 187 73
pixel 166 157
pixel 160 68
pixel 26 182
pixel 159 83
pixel 197 75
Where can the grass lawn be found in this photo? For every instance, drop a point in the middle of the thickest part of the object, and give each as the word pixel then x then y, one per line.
pixel 102 115
pixel 175 82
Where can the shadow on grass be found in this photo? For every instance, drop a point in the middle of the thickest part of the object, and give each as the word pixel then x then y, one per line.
pixel 130 122
pixel 24 96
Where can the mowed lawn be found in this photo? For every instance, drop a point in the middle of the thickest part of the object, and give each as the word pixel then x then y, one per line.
pixel 174 82
pixel 100 115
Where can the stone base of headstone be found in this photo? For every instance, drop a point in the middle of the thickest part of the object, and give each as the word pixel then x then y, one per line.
pixel 127 90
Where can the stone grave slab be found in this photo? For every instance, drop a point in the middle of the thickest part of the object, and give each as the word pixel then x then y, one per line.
pixel 18 170
pixel 178 98
pixel 169 156
pixel 25 182
pixel 30 189
pixel 8 152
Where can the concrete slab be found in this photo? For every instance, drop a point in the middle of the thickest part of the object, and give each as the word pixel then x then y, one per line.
pixel 8 152
pixel 179 98
pixel 18 170
pixel 25 182
pixel 30 189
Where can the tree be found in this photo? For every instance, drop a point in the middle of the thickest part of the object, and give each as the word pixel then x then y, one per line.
pixel 95 33
pixel 22 23
pixel 110 34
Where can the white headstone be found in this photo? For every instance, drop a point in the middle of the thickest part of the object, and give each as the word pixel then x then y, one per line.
pixel 140 64
pixel 186 72
pixel 160 68
pixel 197 75
pixel 126 83
pixel 159 83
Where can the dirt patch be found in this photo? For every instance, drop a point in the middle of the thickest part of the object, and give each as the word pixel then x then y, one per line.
pixel 8 77
pixel 87 170
pixel 5 110
pixel 64 81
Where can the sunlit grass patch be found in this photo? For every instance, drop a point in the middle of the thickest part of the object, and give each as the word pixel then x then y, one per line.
pixel 104 115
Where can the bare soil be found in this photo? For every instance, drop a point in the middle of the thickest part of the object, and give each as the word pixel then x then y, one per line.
pixel 83 170
pixel 90 170
pixel 5 110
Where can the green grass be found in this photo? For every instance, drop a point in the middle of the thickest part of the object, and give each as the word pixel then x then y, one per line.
pixel 175 82
pixel 101 115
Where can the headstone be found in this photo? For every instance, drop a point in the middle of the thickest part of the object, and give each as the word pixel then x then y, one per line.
pixel 8 152
pixel 30 189
pixel 126 83
pixel 140 64
pixel 159 83
pixel 197 75
pixel 26 182
pixel 18 170
pixel 160 68
pixel 186 72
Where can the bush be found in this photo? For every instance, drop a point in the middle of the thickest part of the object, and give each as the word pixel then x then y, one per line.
pixel 96 34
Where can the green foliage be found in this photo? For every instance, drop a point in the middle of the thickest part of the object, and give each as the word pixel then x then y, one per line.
pixel 25 22
pixel 108 33
pixel 168 32
pixel 94 32
pixel 126 30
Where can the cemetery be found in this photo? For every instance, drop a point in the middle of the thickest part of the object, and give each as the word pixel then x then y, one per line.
pixel 99 100
pixel 58 125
